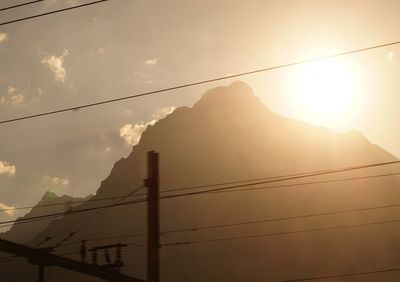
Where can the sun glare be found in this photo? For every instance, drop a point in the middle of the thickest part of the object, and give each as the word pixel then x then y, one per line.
pixel 325 90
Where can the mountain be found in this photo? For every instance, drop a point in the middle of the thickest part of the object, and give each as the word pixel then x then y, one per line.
pixel 22 232
pixel 230 135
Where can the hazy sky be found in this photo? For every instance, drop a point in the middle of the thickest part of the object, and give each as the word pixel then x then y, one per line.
pixel 123 47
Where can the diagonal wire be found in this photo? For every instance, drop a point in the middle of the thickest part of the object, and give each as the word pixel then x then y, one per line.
pixel 278 180
pixel 317 229
pixel 97 213
pixel 217 190
pixel 251 72
pixel 344 275
pixel 52 12
pixel 20 5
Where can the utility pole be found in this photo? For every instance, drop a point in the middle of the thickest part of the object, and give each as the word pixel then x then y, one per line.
pixel 41 273
pixel 153 220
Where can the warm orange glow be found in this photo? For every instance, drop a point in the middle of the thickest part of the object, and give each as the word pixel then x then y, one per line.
pixel 325 90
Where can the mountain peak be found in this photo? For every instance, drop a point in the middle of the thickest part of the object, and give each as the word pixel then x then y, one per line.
pixel 49 196
pixel 234 95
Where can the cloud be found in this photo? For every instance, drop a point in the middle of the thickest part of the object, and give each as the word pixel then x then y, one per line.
pixel 55 180
pixel 17 99
pixel 152 62
pixel 101 51
pixel 40 91
pixel 56 65
pixel 9 210
pixel 7 169
pixel 132 133
pixel 163 112
pixel 3 37
pixel 141 77
pixel 14 96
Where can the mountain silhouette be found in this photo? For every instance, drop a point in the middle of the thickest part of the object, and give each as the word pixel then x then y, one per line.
pixel 50 203
pixel 230 135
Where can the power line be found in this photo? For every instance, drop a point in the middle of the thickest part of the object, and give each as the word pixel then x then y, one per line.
pixel 309 173
pixel 239 181
pixel 47 216
pixel 97 213
pixel 20 5
pixel 280 233
pixel 61 204
pixel 165 191
pixel 198 228
pixel 279 219
pixel 215 190
pixel 278 180
pixel 15 258
pixel 55 215
pixel 52 12
pixel 12 259
pixel 82 106
pixel 343 275
pixel 7 258
pixel 17 221
pixel 309 183
pixel 256 222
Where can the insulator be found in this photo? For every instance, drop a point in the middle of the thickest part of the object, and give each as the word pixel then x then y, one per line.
pixel 82 250
pixel 119 253
pixel 107 256
pixel 94 257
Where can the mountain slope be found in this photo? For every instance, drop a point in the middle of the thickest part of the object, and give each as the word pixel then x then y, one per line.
pixel 230 135
pixel 50 203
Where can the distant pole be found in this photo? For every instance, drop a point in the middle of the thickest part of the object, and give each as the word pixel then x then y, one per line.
pixel 153 221
pixel 41 274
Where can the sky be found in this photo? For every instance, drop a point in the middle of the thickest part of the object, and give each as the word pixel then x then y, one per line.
pixel 124 47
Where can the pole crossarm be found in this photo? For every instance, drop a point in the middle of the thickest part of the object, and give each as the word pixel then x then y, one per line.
pixel 42 258
pixel 107 247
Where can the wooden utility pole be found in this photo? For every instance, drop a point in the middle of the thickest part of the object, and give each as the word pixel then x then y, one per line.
pixel 41 273
pixel 153 220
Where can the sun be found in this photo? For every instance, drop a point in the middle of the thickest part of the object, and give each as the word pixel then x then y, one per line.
pixel 325 90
